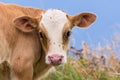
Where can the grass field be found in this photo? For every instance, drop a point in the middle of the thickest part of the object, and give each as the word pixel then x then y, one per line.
pixel 99 63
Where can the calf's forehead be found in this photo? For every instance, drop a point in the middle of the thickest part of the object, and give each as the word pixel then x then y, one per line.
pixel 53 17
pixel 54 21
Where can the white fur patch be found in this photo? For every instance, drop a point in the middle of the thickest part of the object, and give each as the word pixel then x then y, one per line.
pixel 54 21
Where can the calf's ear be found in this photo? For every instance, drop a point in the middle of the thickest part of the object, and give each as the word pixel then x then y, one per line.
pixel 82 20
pixel 25 23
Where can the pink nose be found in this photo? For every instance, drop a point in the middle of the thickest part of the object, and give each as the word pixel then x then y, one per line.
pixel 55 59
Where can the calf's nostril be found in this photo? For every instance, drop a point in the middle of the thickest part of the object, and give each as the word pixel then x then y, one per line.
pixel 60 60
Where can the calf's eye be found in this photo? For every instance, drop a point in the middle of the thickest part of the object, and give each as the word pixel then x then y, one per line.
pixel 67 34
pixel 41 35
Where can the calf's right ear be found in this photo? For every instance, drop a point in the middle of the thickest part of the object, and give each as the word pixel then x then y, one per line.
pixel 26 23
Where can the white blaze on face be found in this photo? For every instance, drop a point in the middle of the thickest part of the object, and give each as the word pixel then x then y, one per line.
pixel 54 21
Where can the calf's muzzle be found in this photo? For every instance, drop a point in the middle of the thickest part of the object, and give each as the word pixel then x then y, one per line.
pixel 55 59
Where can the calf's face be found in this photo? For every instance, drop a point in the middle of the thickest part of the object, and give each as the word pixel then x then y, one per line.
pixel 54 29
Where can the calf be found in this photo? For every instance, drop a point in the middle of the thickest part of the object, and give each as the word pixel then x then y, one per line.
pixel 54 29
pixel 33 40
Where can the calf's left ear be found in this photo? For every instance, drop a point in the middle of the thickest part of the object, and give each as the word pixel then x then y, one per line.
pixel 25 23
pixel 82 20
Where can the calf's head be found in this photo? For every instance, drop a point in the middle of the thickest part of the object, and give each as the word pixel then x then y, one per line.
pixel 54 29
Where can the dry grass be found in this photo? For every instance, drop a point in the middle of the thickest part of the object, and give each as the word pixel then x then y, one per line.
pixel 101 63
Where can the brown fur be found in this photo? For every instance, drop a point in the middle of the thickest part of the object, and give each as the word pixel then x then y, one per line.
pixel 4 71
pixel 23 49
pixel 66 39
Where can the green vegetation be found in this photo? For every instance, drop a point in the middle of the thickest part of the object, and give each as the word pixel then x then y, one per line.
pixel 93 64
pixel 76 70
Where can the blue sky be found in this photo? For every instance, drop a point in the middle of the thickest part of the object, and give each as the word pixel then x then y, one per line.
pixel 107 11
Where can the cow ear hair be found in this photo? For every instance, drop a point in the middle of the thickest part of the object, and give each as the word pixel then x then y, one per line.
pixel 82 20
pixel 25 23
